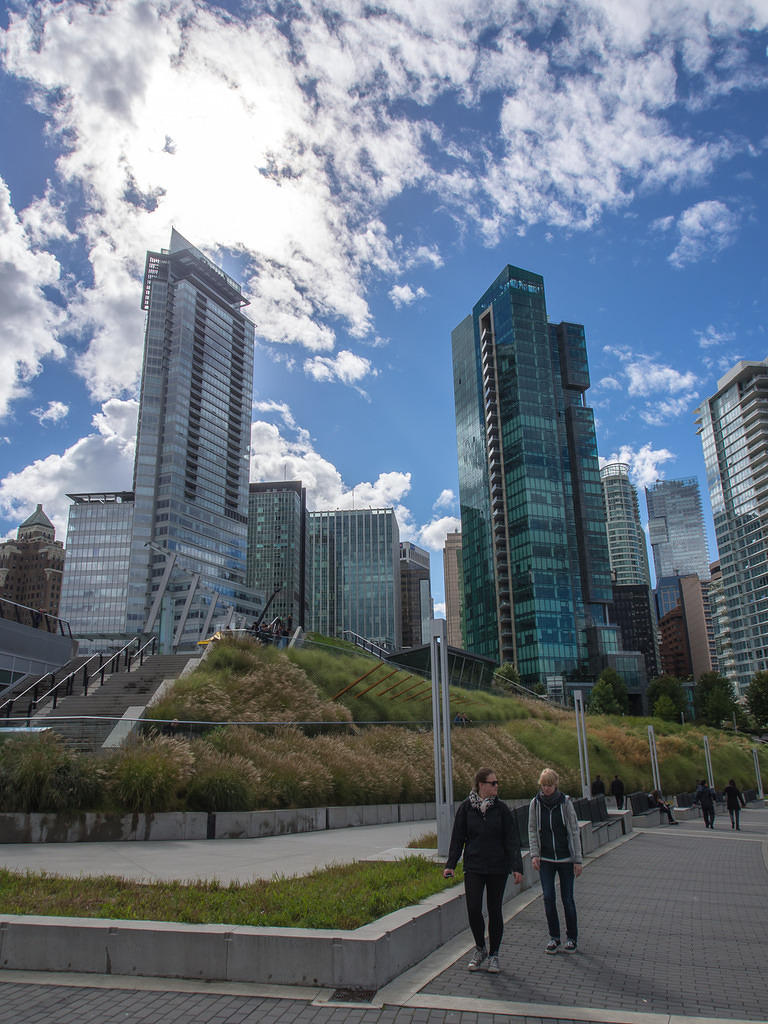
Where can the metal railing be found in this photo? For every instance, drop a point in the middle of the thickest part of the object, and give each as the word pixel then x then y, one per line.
pixel 33 617
pixel 97 665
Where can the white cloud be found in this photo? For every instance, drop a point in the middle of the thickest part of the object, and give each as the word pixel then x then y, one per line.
pixel 346 367
pixel 101 461
pixel 609 384
pixel 655 415
pixel 711 336
pixel 299 153
pixel 432 535
pixel 404 295
pixel 663 223
pixel 29 321
pixel 439 609
pixel 54 413
pixel 644 463
pixel 646 377
pixel 446 499
pixel 705 230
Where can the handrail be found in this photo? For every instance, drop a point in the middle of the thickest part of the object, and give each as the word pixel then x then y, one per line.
pixel 68 682
pixel 34 617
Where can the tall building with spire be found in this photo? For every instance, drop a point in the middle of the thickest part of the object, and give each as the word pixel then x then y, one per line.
pixel 536 567
pixel 186 566
pixel 733 427
pixel 31 566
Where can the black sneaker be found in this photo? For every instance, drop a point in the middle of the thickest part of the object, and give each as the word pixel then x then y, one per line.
pixel 552 946
pixel 570 946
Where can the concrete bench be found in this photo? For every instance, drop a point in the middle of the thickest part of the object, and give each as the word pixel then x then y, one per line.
pixel 644 815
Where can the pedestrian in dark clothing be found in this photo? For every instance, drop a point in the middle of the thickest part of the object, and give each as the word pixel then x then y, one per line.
pixel 705 798
pixel 485 832
pixel 657 800
pixel 617 791
pixel 734 801
pixel 598 787
pixel 555 845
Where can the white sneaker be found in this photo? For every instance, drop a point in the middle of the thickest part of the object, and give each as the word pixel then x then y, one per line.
pixel 493 965
pixel 478 959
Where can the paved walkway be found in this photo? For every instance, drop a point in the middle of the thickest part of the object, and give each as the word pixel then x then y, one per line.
pixel 673 926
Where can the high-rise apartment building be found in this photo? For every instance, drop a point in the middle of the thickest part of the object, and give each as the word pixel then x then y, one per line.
pixel 354 575
pixel 733 426
pixel 187 563
pixel 721 626
pixel 626 539
pixel 277 549
pixel 676 528
pixel 31 566
pixel 415 594
pixel 454 589
pixel 536 568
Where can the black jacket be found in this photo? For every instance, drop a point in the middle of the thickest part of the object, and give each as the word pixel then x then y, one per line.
pixel 733 797
pixel 489 841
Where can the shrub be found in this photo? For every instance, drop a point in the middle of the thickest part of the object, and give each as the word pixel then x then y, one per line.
pixel 221 782
pixel 147 776
pixel 39 773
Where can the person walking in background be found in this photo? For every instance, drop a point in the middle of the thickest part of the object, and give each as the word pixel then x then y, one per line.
pixel 734 801
pixel 555 845
pixel 705 798
pixel 598 787
pixel 485 832
pixel 617 791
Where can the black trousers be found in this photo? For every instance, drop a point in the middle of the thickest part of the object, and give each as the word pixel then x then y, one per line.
pixel 493 885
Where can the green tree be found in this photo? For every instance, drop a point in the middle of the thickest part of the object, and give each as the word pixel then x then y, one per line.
pixel 665 709
pixel 619 690
pixel 506 679
pixel 757 699
pixel 714 699
pixel 602 700
pixel 670 687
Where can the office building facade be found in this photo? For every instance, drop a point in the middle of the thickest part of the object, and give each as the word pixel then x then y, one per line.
pixel 536 567
pixel 454 588
pixel 676 528
pixel 415 594
pixel 354 575
pixel 277 549
pixel 31 566
pixel 95 585
pixel 187 564
pixel 733 427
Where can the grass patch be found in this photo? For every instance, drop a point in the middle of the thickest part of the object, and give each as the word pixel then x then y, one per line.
pixel 342 896
pixel 426 842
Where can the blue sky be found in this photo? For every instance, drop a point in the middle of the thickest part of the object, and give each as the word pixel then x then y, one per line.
pixel 366 172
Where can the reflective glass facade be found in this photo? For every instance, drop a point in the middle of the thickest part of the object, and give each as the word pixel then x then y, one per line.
pixel 277 548
pixel 95 584
pixel 191 466
pixel 415 594
pixel 733 426
pixel 354 574
pixel 626 537
pixel 536 569
pixel 676 528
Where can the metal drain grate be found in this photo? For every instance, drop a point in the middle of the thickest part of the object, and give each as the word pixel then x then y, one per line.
pixel 353 995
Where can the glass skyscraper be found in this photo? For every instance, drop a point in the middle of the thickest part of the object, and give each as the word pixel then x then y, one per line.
pixel 733 426
pixel 191 467
pixel 676 528
pixel 626 538
pixel 415 594
pixel 186 564
pixel 354 575
pixel 536 568
pixel 277 548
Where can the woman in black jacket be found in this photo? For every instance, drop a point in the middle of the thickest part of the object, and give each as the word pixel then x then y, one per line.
pixel 486 833
pixel 734 801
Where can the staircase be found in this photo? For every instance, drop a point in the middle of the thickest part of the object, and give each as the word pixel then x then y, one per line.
pixel 85 721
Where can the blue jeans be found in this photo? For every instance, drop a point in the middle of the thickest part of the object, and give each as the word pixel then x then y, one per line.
pixel 548 871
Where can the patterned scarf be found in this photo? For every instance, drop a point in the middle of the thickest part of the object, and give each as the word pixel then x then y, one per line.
pixel 481 805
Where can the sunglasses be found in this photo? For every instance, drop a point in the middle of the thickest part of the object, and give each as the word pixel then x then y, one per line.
pixel 491 782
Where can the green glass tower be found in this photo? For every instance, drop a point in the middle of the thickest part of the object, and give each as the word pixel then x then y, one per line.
pixel 536 568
